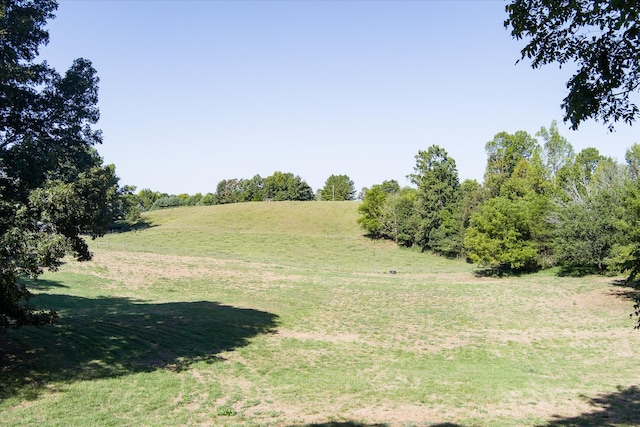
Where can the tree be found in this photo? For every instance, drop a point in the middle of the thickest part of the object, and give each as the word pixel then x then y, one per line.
pixel 499 235
pixel 130 206
pixel 436 177
pixel 504 153
pixel 209 199
pixel 167 202
pixel 148 197
pixel 581 172
pixel 229 191
pixel 53 187
pixel 370 209
pixel 338 188
pixel 588 223
pixel 630 226
pixel 285 186
pixel 557 152
pixel 601 37
pixel 448 239
pixel 509 231
pixel 399 219
pixel 251 189
pixel 632 157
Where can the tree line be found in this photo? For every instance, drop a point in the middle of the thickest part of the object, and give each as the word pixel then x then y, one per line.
pixel 279 186
pixel 540 205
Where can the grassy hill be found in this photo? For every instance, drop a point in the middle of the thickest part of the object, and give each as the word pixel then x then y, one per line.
pixel 304 234
pixel 283 314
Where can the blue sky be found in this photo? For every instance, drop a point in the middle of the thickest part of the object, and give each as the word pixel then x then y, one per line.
pixel 193 92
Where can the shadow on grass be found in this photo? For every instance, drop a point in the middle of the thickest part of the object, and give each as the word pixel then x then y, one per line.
pixel 626 290
pixel 41 285
pixel 577 271
pixel 126 226
pixel 498 273
pixel 619 408
pixel 111 337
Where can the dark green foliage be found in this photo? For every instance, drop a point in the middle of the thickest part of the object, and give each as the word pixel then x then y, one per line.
pixel 53 188
pixel 540 206
pixel 240 190
pixel 251 190
pixel 228 191
pixel 500 235
pixel 629 226
pixel 436 176
pixel 431 216
pixel 146 198
pixel 371 208
pixel 601 37
pixel 585 236
pixel 167 202
pixel 588 223
pixel 510 231
pixel 277 187
pixel 448 239
pixel 285 186
pixel 209 199
pixel 399 220
pixel 129 208
pixel 338 188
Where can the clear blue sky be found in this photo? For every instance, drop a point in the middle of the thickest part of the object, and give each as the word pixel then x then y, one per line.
pixel 193 92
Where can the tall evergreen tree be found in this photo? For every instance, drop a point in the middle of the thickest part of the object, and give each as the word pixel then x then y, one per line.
pixel 436 176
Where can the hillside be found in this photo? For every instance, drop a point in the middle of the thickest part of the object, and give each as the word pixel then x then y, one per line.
pixel 283 314
pixel 304 234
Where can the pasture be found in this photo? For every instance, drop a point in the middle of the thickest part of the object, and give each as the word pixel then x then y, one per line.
pixel 283 314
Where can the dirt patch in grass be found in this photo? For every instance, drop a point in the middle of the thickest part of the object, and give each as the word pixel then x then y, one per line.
pixel 321 336
pixel 137 270
pixel 391 414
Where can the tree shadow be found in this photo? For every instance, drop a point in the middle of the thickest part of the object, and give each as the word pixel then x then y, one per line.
pixel 498 272
pixel 41 285
pixel 569 270
pixel 618 408
pixel 122 226
pixel 110 337
pixel 625 289
pixel 629 291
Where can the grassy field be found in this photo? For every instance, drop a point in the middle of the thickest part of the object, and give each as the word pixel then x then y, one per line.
pixel 283 314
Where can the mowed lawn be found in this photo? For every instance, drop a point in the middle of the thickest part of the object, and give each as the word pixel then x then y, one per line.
pixel 283 314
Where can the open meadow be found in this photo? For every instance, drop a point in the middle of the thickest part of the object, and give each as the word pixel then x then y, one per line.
pixel 283 314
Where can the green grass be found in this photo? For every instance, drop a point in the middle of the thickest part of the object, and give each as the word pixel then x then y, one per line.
pixel 312 235
pixel 283 314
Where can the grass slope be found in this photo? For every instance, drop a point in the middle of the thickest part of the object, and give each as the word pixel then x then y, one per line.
pixel 282 314
pixel 305 234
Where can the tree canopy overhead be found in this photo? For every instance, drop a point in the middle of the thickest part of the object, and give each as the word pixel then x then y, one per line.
pixel 53 187
pixel 602 38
